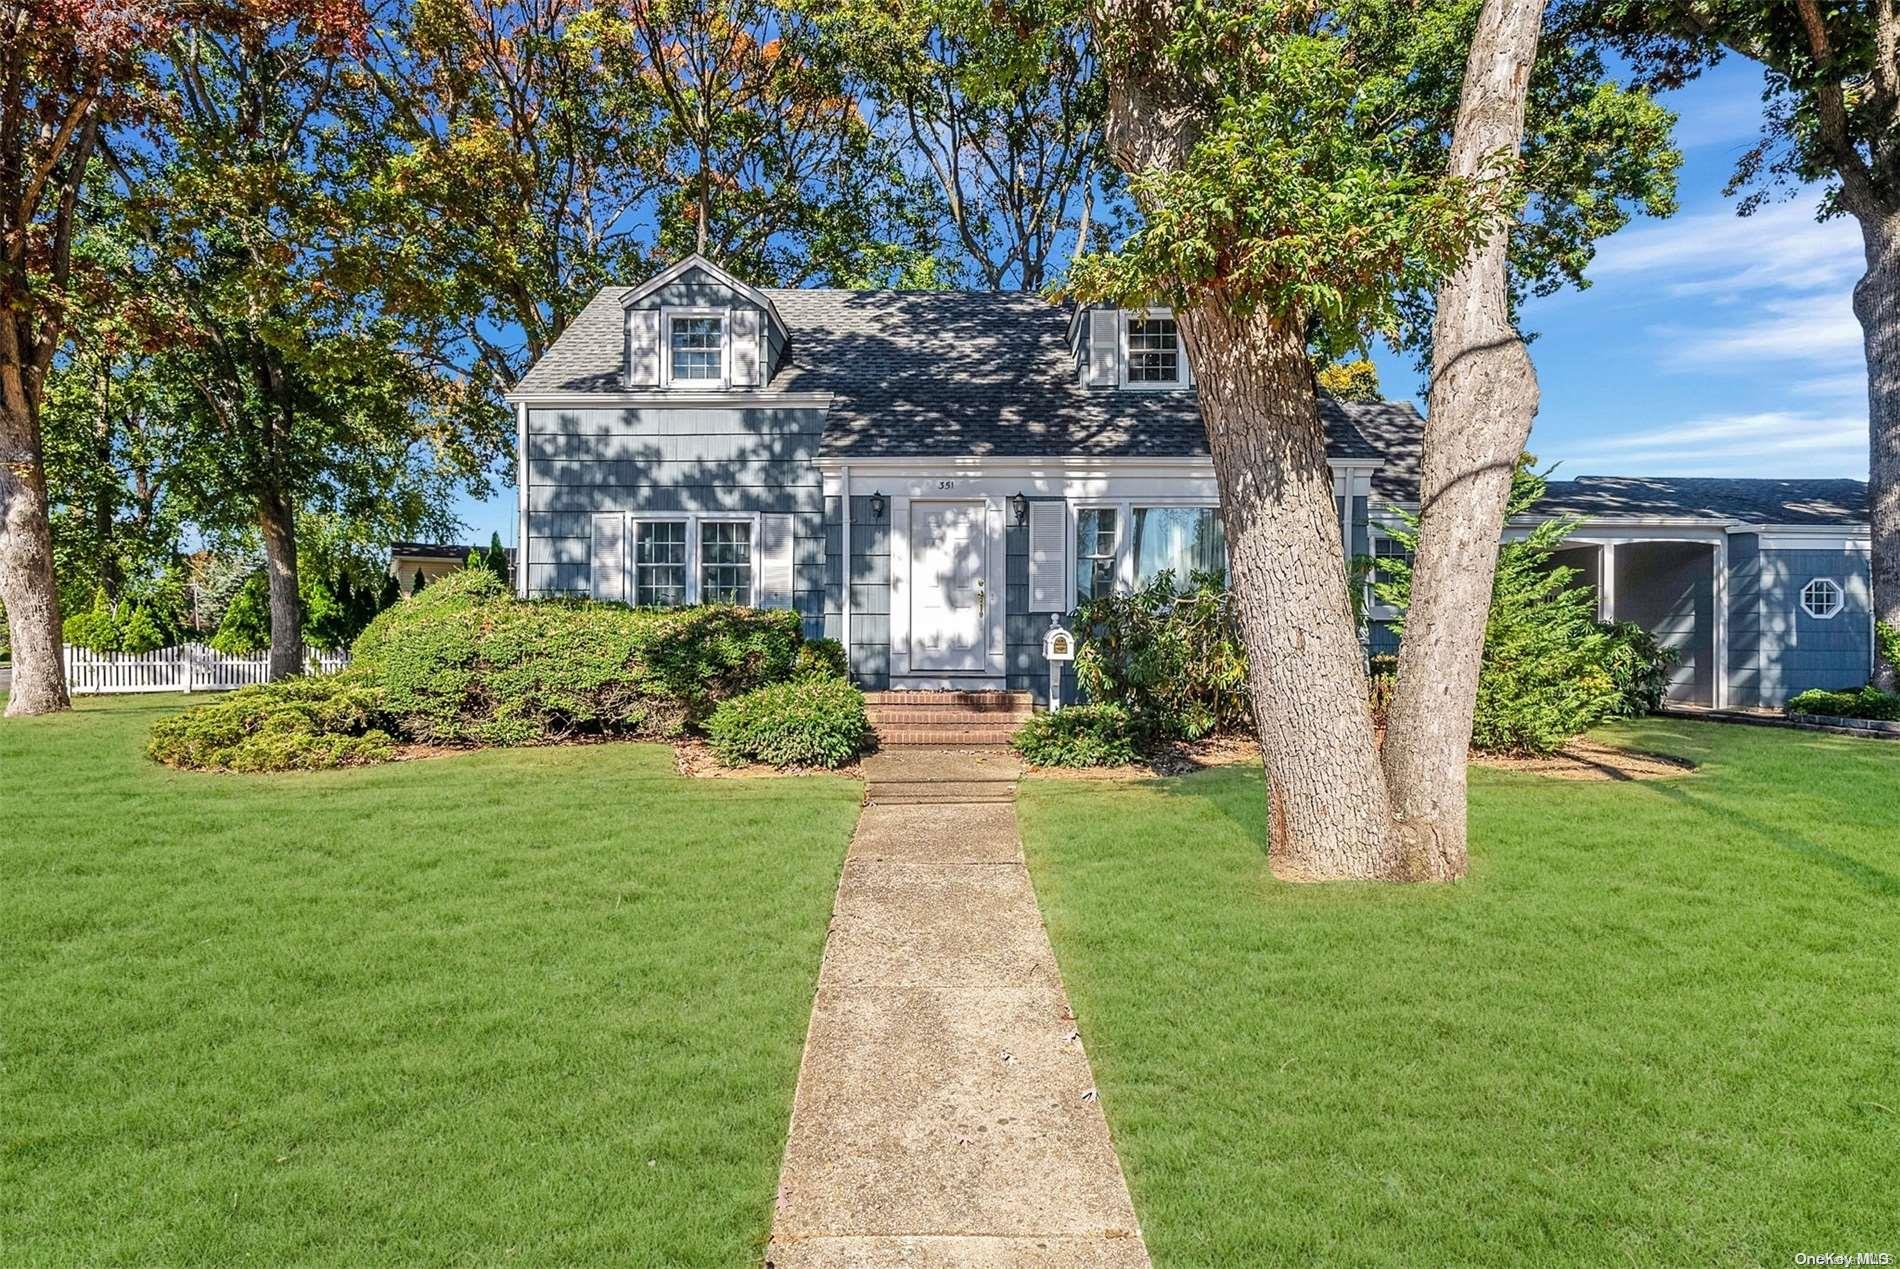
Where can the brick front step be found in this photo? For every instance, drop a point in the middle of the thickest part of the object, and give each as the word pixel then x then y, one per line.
pixel 945 716
pixel 939 734
pixel 1005 701
pixel 931 792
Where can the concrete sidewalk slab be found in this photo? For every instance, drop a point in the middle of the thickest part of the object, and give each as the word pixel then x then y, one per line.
pixel 946 1113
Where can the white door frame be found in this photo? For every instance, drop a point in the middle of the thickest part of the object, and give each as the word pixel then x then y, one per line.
pixel 995 573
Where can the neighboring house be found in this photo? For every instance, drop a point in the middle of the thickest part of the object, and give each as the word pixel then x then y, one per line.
pixel 974 464
pixel 434 560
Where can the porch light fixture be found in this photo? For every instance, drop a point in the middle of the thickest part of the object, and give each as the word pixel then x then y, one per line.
pixel 1019 505
pixel 877 506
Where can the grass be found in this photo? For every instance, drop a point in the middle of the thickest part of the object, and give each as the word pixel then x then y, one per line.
pixel 539 1007
pixel 1659 1023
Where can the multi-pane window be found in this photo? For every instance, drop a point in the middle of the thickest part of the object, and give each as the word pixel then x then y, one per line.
pixel 1094 554
pixel 1180 540
pixel 725 562
pixel 1386 549
pixel 1154 350
pixel 697 348
pixel 1822 598
pixel 659 562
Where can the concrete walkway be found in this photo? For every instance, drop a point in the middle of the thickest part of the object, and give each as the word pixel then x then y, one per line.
pixel 945 1114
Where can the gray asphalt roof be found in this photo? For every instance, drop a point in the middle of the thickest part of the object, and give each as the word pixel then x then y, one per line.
pixel 938 373
pixel 1792 502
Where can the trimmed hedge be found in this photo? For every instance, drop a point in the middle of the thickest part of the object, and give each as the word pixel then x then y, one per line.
pixel 816 721
pixel 1865 702
pixel 1078 736
pixel 820 658
pixel 466 663
pixel 301 724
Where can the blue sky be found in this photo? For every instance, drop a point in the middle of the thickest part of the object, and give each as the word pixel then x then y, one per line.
pixel 1708 345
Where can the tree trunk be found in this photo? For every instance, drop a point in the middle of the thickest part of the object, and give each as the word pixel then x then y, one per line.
pixel 1877 305
pixel 1328 812
pixel 27 588
pixel 1483 397
pixel 275 519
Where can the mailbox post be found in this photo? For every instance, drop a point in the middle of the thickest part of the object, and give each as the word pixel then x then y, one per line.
pixel 1058 648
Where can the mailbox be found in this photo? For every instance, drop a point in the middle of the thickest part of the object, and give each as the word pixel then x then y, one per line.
pixel 1058 648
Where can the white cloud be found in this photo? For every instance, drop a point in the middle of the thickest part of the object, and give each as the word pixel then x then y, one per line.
pixel 1770 443
pixel 1817 329
pixel 1725 256
pixel 1851 386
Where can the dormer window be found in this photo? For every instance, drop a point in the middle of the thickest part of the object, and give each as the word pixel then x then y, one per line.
pixel 1151 350
pixel 695 348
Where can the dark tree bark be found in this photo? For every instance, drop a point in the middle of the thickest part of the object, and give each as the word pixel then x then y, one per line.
pixel 1483 398
pixel 1328 813
pixel 277 523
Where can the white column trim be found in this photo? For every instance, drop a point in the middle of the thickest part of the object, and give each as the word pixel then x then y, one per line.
pixel 521 501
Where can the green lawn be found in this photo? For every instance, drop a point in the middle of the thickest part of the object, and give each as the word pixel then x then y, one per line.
pixel 1660 1023
pixel 540 1007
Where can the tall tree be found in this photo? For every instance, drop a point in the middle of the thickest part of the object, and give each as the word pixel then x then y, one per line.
pixel 1005 117
pixel 67 72
pixel 308 395
pixel 1833 118
pixel 1483 398
pixel 1290 164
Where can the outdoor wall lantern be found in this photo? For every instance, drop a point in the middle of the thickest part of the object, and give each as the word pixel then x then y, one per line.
pixel 1019 505
pixel 877 506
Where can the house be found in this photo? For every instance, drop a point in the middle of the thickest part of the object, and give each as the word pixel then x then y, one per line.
pixel 433 561
pixel 932 477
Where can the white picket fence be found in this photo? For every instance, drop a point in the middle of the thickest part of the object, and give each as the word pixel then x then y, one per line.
pixel 190 667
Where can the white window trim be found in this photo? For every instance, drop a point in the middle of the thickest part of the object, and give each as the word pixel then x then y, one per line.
pixel 1120 554
pixel 1840 599
pixel 1180 351
pixel 692 520
pixel 724 381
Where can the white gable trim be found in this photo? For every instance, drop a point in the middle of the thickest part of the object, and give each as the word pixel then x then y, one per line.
pixel 697 261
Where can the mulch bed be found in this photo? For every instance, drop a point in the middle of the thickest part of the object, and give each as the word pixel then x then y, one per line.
pixel 695 758
pixel 1579 760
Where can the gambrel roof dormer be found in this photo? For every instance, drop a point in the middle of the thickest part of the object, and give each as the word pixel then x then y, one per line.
pixel 696 328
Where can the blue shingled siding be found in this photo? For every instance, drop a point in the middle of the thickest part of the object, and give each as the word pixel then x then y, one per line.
pixel 1028 669
pixel 1799 652
pixel 659 459
pixel 870 587
pixel 1744 621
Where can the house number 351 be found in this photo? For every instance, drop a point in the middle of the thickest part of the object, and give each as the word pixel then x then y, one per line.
pixel 946 484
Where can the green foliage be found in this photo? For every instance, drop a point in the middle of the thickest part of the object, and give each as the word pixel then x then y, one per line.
pixel 463 662
pixel 1639 665
pixel 821 658
pixel 299 724
pixel 1078 736
pixel 495 559
pixel 96 627
pixel 1887 643
pixel 1172 662
pixel 142 633
pixel 246 624
pixel 816 721
pixel 1355 380
pixel 1547 673
pixel 1863 702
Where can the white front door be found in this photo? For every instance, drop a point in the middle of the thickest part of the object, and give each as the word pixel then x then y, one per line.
pixel 947 599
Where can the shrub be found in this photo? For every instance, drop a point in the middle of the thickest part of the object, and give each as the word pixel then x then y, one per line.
pixel 1639 666
pixel 245 626
pixel 1863 702
pixel 1172 662
pixel 462 662
pixel 96 627
pixel 809 722
pixel 300 724
pixel 1887 643
pixel 820 658
pixel 1546 674
pixel 1079 736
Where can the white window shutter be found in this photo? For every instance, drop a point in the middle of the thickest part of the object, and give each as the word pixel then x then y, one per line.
pixel 1048 556
pixel 742 326
pixel 775 561
pixel 607 563
pixel 643 348
pixel 1104 347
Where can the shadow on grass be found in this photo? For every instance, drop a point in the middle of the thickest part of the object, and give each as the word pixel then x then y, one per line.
pixel 1874 880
